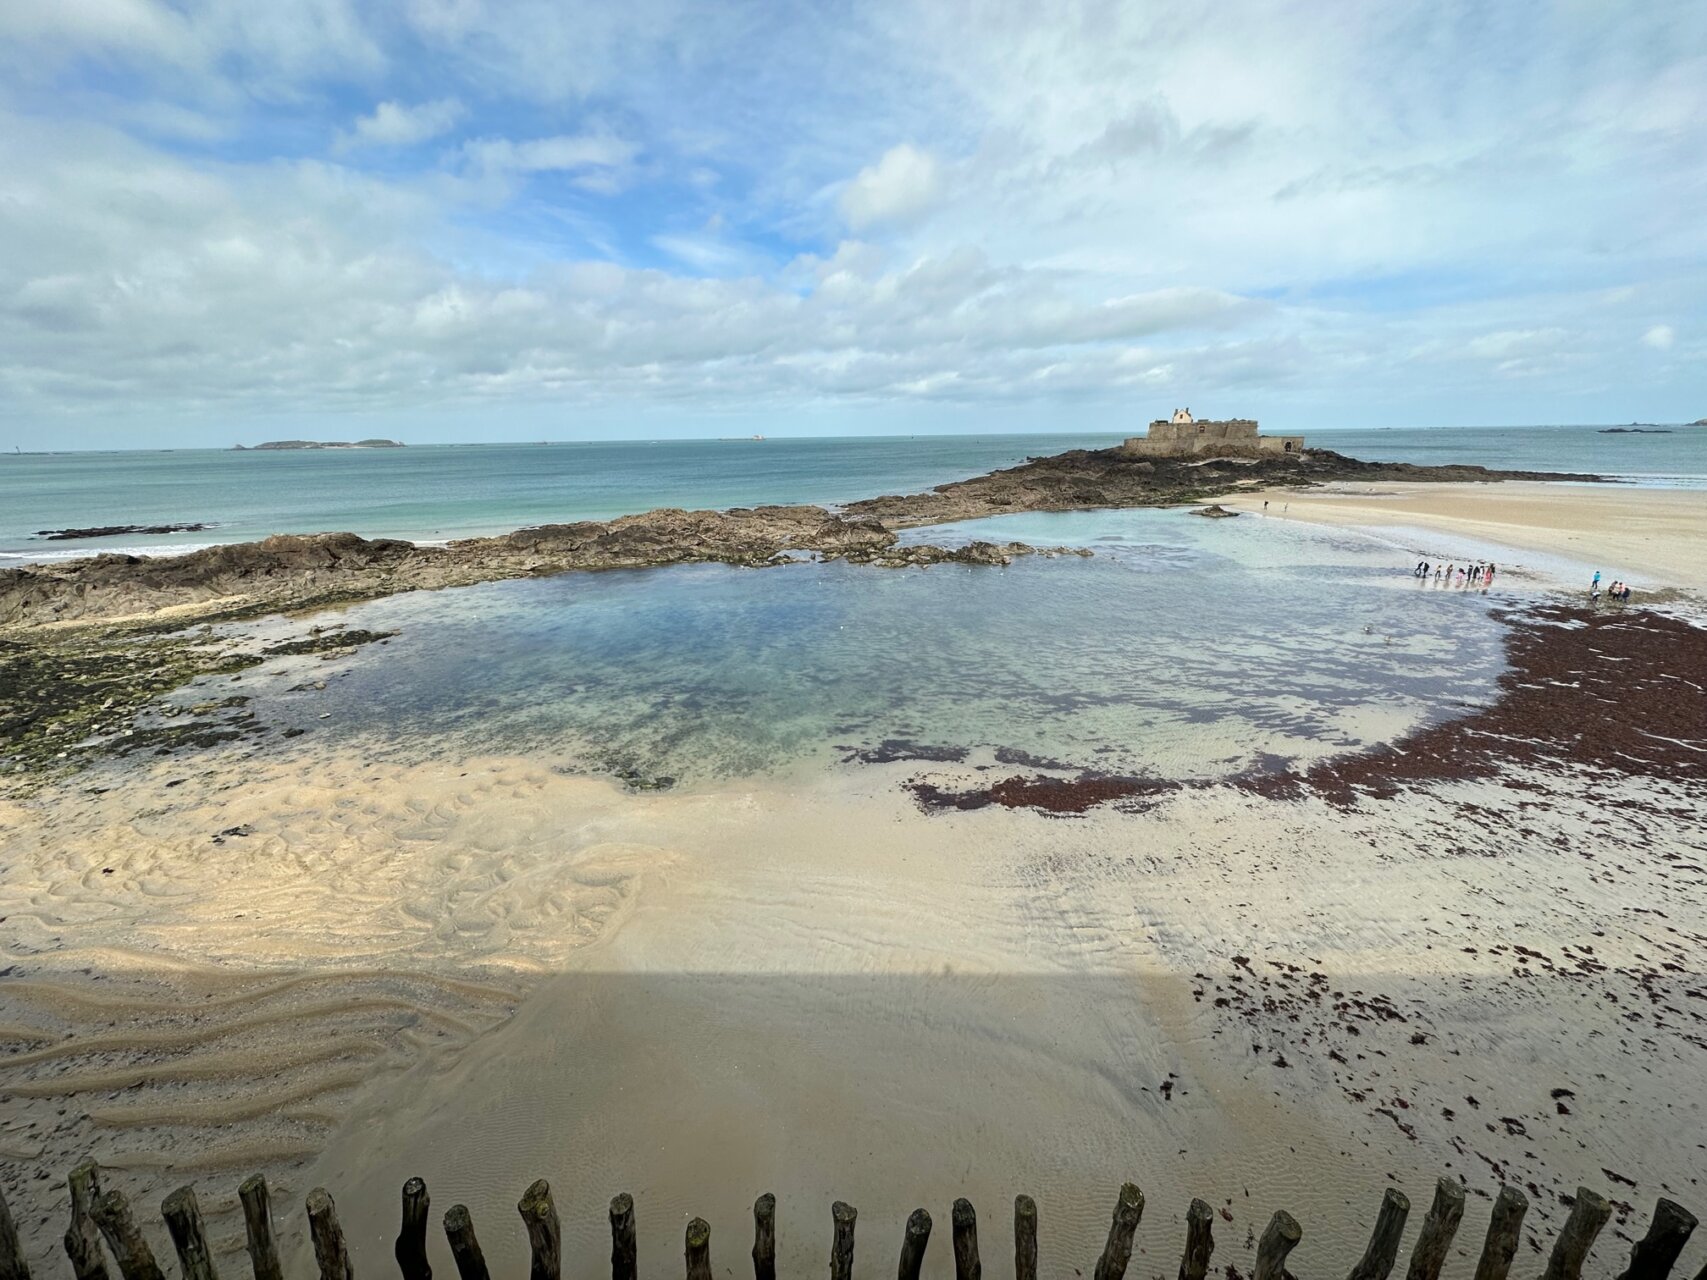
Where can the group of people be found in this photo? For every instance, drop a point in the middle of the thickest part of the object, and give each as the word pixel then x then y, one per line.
pixel 1618 591
pixel 1479 574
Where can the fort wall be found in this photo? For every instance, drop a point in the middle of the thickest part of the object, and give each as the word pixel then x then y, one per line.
pixel 1230 435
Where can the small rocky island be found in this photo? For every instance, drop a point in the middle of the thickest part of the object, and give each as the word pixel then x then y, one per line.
pixel 319 444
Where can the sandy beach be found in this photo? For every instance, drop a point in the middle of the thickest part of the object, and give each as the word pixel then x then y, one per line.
pixel 486 972
pixel 1654 538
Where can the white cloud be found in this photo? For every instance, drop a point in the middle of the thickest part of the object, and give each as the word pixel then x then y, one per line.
pixel 898 188
pixel 598 161
pixel 1509 343
pixel 1355 214
pixel 393 124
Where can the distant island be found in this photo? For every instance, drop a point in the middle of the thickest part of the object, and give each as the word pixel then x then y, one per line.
pixel 321 444
pixel 1699 422
pixel 1635 431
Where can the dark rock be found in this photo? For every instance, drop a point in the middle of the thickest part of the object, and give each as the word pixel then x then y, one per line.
pixel 116 530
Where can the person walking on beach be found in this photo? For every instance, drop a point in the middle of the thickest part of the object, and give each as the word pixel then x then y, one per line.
pixel 1594 587
pixel 1490 572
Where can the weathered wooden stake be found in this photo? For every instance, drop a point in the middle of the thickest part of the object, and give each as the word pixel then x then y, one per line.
pixel 963 1231
pixel 1279 1238
pixel 329 1248
pixel 464 1247
pixel 545 1233
pixel 1428 1255
pixel 124 1239
pixel 12 1264
pixel 842 1243
pixel 258 1226
pixel 1654 1255
pixel 623 1249
pixel 1025 1238
pixel 1505 1233
pixel 913 1244
pixel 699 1249
pixel 1383 1251
pixel 1199 1241
pixel 1117 1252
pixel 83 1237
pixel 1588 1216
pixel 184 1223
pixel 764 1237
pixel 411 1247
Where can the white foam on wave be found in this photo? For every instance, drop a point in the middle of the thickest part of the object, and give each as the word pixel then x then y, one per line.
pixel 83 551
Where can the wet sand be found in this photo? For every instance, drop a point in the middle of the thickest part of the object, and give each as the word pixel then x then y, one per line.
pixel 485 971
pixel 1654 538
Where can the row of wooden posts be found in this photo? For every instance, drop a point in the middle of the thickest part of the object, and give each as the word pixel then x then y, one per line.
pixel 99 1217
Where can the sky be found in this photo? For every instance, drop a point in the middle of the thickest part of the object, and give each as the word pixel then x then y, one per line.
pixel 237 220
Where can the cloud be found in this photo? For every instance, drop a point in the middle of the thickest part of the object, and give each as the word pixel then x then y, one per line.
pixel 898 188
pixel 393 124
pixel 598 161
pixel 1508 343
pixel 1354 218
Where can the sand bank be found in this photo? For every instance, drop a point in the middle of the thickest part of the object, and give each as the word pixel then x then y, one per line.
pixel 823 991
pixel 1652 538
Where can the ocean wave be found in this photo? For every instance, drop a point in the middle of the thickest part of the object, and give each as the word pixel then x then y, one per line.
pixel 43 555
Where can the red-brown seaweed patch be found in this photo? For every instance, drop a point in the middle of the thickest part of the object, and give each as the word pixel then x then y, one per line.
pixel 1046 794
pixel 1608 693
pixel 1613 693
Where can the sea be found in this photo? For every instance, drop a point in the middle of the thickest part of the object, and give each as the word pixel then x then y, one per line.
pixel 440 492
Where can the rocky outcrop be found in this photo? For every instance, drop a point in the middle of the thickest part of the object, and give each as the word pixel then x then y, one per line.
pixel 1085 478
pixel 116 530
pixel 293 571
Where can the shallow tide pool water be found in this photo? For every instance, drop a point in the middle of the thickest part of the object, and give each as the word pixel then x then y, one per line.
pixel 1181 647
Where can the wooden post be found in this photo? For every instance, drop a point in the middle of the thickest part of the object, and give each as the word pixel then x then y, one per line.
pixel 1025 1238
pixel 329 1248
pixel 1279 1238
pixel 699 1249
pixel 764 1237
pixel 842 1243
pixel 1656 1253
pixel 1505 1233
pixel 624 1251
pixel 12 1264
pixel 1383 1251
pixel 963 1231
pixel 184 1222
pixel 1588 1216
pixel 459 1231
pixel 411 1247
pixel 1117 1252
pixel 545 1232
pixel 83 1237
pixel 124 1239
pixel 913 1245
pixel 258 1225
pixel 1428 1255
pixel 1199 1241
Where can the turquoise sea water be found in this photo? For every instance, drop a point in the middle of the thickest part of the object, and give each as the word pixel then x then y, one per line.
pixel 446 491
pixel 1183 647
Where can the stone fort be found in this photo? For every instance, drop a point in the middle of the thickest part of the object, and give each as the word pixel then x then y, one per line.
pixel 1183 434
